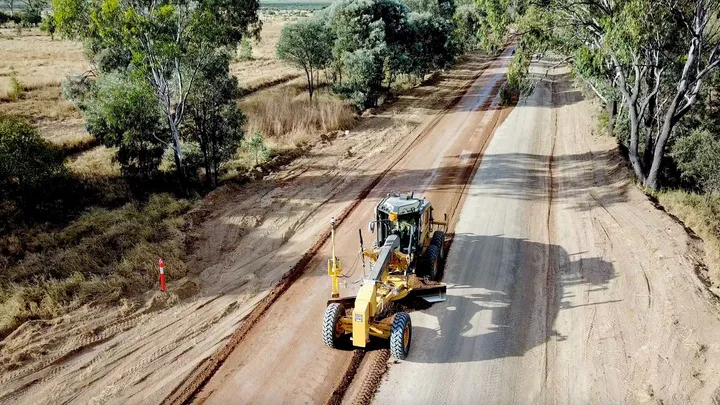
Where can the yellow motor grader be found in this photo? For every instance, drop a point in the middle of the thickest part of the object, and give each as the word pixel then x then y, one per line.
pixel 406 260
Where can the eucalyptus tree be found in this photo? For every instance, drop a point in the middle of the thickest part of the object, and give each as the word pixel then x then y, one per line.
pixel 168 43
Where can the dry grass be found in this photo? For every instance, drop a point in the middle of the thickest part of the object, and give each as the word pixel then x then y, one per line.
pixel 96 162
pixel 100 174
pixel 99 258
pixel 38 61
pixel 265 70
pixel 43 105
pixel 702 216
pixel 56 119
pixel 286 115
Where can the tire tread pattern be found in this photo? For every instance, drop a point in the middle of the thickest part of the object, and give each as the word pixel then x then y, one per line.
pixel 332 313
pixel 397 331
pixel 432 262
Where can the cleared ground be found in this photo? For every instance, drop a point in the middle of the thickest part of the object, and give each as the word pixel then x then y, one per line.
pixel 566 285
pixel 285 345
pixel 250 236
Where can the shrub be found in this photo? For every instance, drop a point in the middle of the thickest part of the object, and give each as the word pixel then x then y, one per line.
pixel 245 50
pixel 48 25
pixel 29 165
pixel 193 160
pixel 75 88
pixel 518 82
pixel 124 113
pixel 213 121
pixel 698 157
pixel 6 18
pixel 467 23
pixel 256 145
pixel 31 17
pixel 17 90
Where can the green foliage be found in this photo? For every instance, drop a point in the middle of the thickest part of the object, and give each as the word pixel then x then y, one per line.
pixel 494 26
pixel 363 77
pixel 307 44
pixel 443 8
pixel 75 88
pixel 518 80
pixel 31 17
pixel 17 89
pixel 29 165
pixel 165 44
pixel 245 50
pixel 467 25
pixel 256 145
pixel 72 18
pixel 367 33
pixel 214 122
pixel 48 26
pixel 698 157
pixel 432 45
pixel 122 112
pixel 6 18
pixel 193 160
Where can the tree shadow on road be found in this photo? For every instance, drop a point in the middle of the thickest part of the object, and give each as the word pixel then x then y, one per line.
pixel 504 295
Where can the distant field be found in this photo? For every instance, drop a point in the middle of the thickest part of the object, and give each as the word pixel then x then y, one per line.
pixel 293 5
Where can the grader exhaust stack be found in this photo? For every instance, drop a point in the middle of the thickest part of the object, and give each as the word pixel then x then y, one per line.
pixel 407 257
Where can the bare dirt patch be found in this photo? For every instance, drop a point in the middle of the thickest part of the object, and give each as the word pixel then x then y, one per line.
pixel 251 236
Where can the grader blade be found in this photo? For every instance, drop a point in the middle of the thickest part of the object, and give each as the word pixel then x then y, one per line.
pixel 430 293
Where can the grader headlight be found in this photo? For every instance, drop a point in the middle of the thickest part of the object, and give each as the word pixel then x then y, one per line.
pixel 393 216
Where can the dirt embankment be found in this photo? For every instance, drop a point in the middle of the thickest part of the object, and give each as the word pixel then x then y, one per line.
pixel 251 236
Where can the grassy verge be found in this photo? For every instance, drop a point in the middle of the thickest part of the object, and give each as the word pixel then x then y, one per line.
pixel 100 257
pixel 702 215
pixel 289 113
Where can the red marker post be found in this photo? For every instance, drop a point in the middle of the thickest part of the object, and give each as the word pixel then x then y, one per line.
pixel 162 275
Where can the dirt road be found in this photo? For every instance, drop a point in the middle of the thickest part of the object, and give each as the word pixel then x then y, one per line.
pixel 284 349
pixel 248 237
pixel 566 284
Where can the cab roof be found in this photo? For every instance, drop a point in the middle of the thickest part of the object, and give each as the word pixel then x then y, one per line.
pixel 402 204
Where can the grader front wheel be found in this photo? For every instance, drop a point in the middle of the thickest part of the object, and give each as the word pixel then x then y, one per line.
pixel 431 262
pixel 438 239
pixel 400 336
pixel 332 332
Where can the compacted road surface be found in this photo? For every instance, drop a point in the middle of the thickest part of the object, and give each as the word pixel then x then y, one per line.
pixel 566 285
pixel 283 359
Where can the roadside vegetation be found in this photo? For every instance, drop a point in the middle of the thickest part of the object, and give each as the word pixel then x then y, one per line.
pixel 111 129
pixel 653 65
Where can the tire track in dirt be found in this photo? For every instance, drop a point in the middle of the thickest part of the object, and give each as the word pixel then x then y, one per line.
pixel 377 365
pixel 199 378
pixel 129 346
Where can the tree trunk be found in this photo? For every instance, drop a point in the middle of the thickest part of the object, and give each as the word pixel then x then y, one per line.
pixel 612 113
pixel 668 124
pixel 308 75
pixel 208 164
pixel 633 149
pixel 179 168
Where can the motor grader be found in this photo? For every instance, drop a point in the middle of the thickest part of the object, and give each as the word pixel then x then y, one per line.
pixel 405 261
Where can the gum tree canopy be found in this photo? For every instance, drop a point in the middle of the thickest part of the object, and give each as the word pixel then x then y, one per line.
pixel 166 43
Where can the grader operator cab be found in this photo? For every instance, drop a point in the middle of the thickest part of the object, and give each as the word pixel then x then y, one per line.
pixel 406 258
pixel 412 221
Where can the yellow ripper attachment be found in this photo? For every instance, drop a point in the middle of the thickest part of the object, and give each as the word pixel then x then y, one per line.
pixel 334 266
